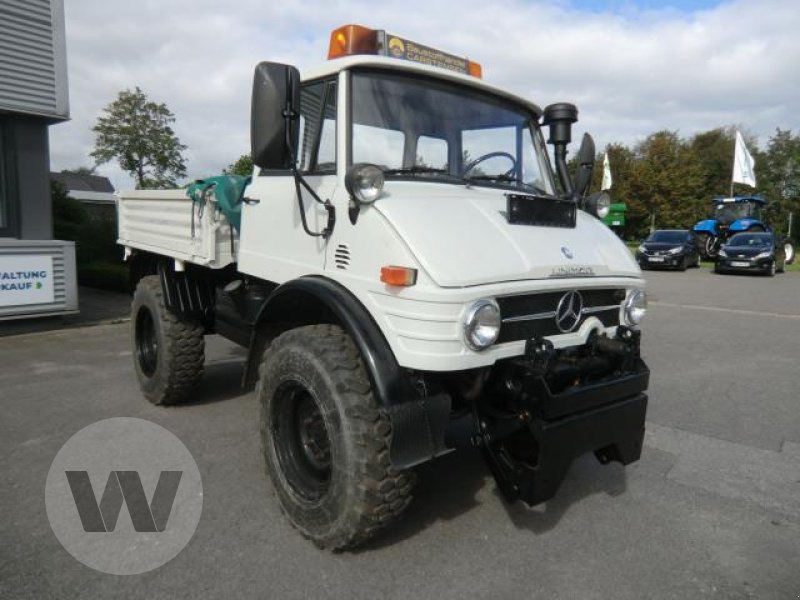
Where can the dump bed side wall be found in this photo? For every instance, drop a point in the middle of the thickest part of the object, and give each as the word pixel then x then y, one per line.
pixel 160 221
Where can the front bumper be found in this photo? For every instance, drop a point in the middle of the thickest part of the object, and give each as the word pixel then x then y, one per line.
pixel 530 455
pixel 729 264
pixel 662 260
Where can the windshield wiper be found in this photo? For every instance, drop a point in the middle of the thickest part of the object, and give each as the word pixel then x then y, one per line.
pixel 505 178
pixel 413 170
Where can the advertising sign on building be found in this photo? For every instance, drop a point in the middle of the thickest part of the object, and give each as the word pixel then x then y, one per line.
pixel 26 280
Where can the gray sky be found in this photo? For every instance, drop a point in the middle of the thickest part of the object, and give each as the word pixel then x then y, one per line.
pixel 630 68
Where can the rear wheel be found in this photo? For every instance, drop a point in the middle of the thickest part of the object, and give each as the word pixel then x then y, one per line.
pixel 168 352
pixel 325 442
pixel 789 249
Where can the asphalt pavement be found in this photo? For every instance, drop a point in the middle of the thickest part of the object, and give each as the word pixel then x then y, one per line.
pixel 712 510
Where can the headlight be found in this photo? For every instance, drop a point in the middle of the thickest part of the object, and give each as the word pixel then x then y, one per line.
pixel 722 253
pixel 677 250
pixel 641 249
pixel 482 325
pixel 364 182
pixel 635 307
pixel 599 204
pixel 766 254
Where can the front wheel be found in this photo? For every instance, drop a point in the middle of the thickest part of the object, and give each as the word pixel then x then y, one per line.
pixel 712 245
pixel 325 441
pixel 168 351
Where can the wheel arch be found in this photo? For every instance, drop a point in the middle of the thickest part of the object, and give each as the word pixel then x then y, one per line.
pixel 316 299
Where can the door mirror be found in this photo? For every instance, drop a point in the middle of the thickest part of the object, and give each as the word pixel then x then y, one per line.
pixel 585 159
pixel 274 116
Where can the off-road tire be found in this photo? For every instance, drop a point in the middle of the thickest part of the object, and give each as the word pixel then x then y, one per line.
pixel 363 493
pixel 170 376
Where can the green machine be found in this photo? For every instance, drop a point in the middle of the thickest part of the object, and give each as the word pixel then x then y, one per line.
pixel 616 215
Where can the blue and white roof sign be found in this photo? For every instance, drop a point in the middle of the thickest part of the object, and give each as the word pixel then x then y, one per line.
pixel 26 280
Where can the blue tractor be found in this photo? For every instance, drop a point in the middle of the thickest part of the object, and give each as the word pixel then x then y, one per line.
pixel 733 215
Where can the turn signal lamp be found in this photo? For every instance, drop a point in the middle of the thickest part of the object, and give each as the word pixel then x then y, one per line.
pixel 400 276
pixel 349 40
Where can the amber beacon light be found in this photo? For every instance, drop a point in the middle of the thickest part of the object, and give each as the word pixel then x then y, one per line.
pixel 350 40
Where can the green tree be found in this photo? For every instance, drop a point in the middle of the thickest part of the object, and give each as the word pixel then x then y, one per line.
pixel 242 166
pixel 138 133
pixel 778 176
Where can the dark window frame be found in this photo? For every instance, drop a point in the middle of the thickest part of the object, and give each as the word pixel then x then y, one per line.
pixel 9 189
pixel 330 91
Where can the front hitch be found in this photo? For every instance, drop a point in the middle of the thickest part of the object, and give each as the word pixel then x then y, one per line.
pixel 544 424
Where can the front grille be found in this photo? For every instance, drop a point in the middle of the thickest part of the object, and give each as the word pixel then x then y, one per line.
pixel 532 315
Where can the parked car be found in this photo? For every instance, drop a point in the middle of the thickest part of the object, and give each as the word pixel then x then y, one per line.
pixel 752 252
pixel 676 248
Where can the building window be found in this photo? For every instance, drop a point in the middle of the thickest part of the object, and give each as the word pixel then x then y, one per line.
pixel 8 192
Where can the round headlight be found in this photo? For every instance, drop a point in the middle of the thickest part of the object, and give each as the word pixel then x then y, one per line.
pixel 635 307
pixel 364 182
pixel 599 204
pixel 482 325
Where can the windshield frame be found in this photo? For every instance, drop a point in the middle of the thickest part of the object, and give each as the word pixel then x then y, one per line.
pixel 536 149
pixel 682 233
pixel 767 236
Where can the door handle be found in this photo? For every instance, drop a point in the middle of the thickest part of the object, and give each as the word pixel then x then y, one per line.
pixel 251 201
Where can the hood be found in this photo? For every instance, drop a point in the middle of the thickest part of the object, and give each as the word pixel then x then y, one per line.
pixel 745 251
pixel 660 246
pixel 461 237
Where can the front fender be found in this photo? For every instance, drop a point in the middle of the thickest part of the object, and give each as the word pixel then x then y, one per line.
pixel 707 226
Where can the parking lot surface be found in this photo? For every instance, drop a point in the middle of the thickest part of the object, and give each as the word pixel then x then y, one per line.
pixel 712 509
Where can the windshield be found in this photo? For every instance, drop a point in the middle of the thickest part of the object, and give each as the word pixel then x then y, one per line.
pixel 668 237
pixel 730 212
pixel 426 128
pixel 751 239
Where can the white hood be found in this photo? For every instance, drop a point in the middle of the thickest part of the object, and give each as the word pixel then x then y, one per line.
pixel 461 237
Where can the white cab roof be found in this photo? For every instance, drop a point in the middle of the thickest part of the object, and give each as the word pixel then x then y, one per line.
pixel 383 62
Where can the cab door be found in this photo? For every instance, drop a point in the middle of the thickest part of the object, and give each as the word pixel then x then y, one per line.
pixel 274 244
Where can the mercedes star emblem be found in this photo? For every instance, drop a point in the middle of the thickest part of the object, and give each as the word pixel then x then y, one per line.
pixel 568 311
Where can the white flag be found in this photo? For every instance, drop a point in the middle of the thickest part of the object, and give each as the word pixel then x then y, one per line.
pixel 743 164
pixel 606 173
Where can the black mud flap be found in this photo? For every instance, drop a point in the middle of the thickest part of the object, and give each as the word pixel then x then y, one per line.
pixel 614 432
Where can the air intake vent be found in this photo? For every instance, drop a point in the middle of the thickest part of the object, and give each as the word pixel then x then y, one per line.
pixel 342 256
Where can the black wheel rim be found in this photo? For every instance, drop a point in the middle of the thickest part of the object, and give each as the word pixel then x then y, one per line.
pixel 301 440
pixel 146 342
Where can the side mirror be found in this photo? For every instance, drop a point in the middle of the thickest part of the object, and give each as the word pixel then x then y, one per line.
pixel 274 118
pixel 583 174
pixel 560 117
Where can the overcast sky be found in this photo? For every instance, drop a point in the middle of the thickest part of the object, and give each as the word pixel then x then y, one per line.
pixel 632 67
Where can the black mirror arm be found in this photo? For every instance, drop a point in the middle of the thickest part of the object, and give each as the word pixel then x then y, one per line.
pixel 299 180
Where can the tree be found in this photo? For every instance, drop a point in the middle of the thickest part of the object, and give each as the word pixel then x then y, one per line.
pixel 242 166
pixel 137 132
pixel 81 170
pixel 778 176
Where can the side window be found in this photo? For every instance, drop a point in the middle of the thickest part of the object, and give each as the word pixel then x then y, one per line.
pixel 317 147
pixel 326 157
pixel 431 152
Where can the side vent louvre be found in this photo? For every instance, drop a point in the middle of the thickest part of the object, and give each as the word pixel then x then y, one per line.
pixel 342 256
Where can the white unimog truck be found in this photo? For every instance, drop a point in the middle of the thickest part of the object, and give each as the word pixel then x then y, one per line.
pixel 409 276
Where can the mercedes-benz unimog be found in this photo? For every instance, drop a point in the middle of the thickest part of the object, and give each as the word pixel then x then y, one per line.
pixel 408 275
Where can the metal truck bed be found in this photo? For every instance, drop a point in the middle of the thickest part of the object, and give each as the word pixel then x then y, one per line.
pixel 166 222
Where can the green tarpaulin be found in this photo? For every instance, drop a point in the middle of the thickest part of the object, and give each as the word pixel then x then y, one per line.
pixel 228 192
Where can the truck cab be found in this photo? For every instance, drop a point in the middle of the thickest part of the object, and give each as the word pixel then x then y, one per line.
pixel 409 270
